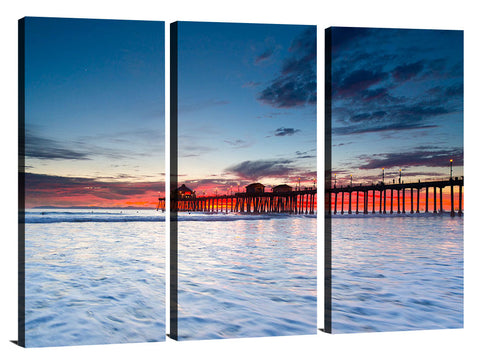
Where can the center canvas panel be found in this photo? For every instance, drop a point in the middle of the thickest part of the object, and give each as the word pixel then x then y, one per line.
pixel 243 187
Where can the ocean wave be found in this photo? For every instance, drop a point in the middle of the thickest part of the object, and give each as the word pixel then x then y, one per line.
pixel 65 217
pixel 50 220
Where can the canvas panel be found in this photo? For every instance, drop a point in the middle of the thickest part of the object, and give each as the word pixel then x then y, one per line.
pixel 243 242
pixel 394 181
pixel 91 267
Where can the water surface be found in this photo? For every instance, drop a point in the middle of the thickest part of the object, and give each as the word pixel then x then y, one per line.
pixel 397 273
pixel 94 277
pixel 246 275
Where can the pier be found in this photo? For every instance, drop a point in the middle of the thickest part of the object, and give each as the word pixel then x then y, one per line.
pixel 294 202
pixel 161 204
pixel 384 198
pixel 255 200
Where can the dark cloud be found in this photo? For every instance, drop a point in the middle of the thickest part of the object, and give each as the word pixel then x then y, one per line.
pixel 303 155
pixel 395 117
pixel 50 186
pixel 454 90
pixel 407 71
pixel 358 81
pixel 366 80
pixel 297 84
pixel 342 144
pixel 380 127
pixel 343 36
pixel 48 149
pixel 419 157
pixel 264 56
pixel 360 117
pixel 255 170
pixel 378 94
pixel 440 92
pixel 285 131
pixel 238 143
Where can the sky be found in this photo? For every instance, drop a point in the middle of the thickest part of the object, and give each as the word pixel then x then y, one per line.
pixel 397 104
pixel 246 106
pixel 94 112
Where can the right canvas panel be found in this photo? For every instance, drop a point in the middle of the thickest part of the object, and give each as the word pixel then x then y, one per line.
pixel 394 179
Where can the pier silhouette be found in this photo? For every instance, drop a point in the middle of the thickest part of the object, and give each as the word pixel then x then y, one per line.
pixel 387 192
pixel 282 199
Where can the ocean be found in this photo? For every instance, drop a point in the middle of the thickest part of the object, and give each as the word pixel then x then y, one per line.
pixel 392 273
pixel 246 275
pixel 94 276
pixel 98 276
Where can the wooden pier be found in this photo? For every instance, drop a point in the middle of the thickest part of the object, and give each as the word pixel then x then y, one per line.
pixel 294 202
pixel 387 192
pixel 161 204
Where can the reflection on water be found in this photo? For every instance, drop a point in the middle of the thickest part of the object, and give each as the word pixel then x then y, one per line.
pixel 247 278
pixel 398 273
pixel 94 282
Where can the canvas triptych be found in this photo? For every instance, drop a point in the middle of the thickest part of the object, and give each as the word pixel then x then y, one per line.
pixel 242 195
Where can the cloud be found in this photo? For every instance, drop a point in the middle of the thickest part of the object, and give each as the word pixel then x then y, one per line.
pixel 43 189
pixel 49 149
pixel 342 36
pixel 407 71
pixel 454 90
pixel 238 143
pixel 419 157
pixel 408 115
pixel 380 127
pixel 367 116
pixel 251 84
pixel 358 81
pixel 297 83
pixel 264 56
pixel 378 94
pixel 258 169
pixel 374 89
pixel 304 155
pixel 194 150
pixel 285 131
pixel 342 144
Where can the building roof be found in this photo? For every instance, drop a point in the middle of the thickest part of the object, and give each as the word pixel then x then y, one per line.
pixel 282 186
pixel 183 188
pixel 255 185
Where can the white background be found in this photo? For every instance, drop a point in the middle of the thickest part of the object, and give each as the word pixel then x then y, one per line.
pixel 438 344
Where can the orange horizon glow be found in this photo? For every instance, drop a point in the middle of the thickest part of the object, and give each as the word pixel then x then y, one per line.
pixel 44 190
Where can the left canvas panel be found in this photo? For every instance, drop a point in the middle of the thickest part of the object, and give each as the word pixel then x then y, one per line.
pixel 91 173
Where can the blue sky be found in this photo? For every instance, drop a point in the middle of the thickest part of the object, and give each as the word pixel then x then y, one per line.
pixel 397 103
pixel 94 111
pixel 247 104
